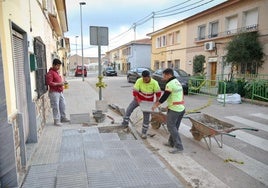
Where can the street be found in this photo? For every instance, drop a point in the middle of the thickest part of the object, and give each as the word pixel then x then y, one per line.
pixel 242 162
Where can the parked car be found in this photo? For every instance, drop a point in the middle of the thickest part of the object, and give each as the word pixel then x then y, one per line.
pixel 135 73
pixel 109 71
pixel 180 74
pixel 79 72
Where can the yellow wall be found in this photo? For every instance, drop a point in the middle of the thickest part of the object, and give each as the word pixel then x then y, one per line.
pixel 169 52
pixel 25 17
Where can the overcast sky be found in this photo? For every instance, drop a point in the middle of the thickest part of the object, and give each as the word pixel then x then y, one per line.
pixel 120 15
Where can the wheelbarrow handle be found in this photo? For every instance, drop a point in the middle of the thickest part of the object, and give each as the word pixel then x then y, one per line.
pixel 250 129
pixel 228 134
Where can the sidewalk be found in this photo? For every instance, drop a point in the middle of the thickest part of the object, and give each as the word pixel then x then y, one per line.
pixel 80 155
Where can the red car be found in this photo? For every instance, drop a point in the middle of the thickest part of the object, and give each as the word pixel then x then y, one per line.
pixel 79 72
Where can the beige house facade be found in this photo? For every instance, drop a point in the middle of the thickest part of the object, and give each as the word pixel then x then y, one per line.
pixel 31 36
pixel 207 33
pixel 169 47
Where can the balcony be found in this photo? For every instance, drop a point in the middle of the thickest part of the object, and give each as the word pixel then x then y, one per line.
pixel 249 28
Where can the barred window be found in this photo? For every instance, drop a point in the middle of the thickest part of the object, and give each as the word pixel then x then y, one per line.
pixel 40 53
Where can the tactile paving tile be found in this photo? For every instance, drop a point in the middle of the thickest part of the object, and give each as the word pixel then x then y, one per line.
pixel 94 153
pixel 131 178
pixel 157 176
pixel 80 118
pixel 71 156
pixel 119 154
pixel 133 144
pixel 70 181
pixel 112 144
pixel 70 168
pixel 138 152
pixel 109 137
pixel 103 180
pixel 98 165
pixel 41 176
pixel 91 137
pixel 124 165
pixel 146 162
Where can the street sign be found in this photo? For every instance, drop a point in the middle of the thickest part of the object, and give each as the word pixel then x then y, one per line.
pixel 99 36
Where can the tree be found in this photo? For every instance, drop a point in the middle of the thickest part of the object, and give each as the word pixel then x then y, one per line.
pixel 198 64
pixel 246 52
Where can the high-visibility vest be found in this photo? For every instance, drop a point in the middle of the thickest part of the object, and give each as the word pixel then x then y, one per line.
pixel 145 91
pixel 175 100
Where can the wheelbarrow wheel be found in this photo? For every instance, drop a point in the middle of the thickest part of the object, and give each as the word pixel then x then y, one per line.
pixel 155 124
pixel 196 134
pixel 157 120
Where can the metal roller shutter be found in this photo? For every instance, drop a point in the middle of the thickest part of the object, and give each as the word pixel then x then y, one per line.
pixel 20 81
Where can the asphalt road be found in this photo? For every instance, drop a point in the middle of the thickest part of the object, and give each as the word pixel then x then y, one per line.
pixel 246 155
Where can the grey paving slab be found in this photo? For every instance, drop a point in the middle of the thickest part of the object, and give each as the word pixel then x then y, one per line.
pixel 70 181
pixel 95 154
pixel 91 137
pixel 124 165
pixel 80 118
pixel 113 144
pixel 69 168
pixel 93 159
pixel 117 154
pixel 99 165
pixel 43 176
pixel 103 180
pixel 109 137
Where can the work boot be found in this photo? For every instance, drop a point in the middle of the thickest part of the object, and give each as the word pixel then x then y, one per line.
pixel 57 122
pixel 124 123
pixel 64 120
pixel 175 150
pixel 144 136
pixel 167 144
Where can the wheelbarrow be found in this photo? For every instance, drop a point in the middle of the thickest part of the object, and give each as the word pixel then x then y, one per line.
pixel 207 127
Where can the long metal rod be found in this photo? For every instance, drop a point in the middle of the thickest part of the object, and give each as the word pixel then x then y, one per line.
pixel 83 76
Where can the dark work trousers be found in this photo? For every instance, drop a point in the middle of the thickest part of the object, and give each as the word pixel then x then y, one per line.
pixel 146 115
pixel 173 124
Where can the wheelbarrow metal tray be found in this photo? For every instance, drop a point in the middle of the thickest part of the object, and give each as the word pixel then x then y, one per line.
pixel 205 126
pixel 208 125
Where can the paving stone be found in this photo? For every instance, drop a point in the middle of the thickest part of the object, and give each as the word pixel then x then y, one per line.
pixel 80 118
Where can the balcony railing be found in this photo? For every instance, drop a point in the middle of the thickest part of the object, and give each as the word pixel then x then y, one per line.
pixel 249 28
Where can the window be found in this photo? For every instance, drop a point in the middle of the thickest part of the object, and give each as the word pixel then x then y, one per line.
pixel 156 65
pixel 161 41
pixel 127 51
pixel 213 30
pixel 40 52
pixel 171 39
pixel 231 24
pixel 164 41
pixel 178 37
pixel 201 32
pixel 158 42
pixel 169 64
pixel 250 20
pixel 177 64
pixel 162 64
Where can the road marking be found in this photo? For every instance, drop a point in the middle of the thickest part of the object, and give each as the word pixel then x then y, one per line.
pixel 260 115
pixel 252 139
pixel 250 123
pixel 251 166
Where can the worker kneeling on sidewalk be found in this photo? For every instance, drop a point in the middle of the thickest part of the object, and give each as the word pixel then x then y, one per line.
pixel 145 89
pixel 174 95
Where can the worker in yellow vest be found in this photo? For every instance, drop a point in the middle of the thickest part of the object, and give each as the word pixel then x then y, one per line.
pixel 173 94
pixel 145 89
